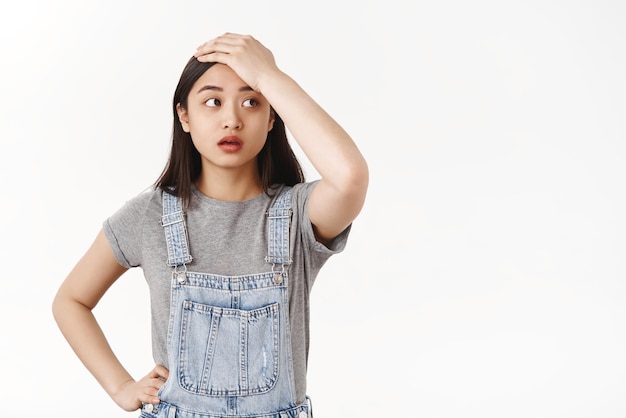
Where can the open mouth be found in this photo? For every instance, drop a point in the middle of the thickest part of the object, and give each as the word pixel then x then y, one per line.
pixel 230 144
pixel 230 140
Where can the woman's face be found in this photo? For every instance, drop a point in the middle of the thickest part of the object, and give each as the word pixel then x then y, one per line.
pixel 227 120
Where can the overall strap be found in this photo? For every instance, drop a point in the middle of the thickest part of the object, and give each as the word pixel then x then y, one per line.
pixel 173 222
pixel 279 219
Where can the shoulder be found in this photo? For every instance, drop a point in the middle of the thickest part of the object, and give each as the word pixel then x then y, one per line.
pixel 125 228
pixel 136 208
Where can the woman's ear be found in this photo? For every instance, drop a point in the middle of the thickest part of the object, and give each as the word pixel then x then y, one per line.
pixel 270 124
pixel 183 117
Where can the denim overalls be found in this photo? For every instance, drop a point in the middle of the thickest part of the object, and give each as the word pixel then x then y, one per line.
pixel 229 348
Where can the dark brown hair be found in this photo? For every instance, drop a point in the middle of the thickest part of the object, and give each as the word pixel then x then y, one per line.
pixel 277 162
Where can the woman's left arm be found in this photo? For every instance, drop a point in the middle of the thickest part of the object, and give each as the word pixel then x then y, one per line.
pixel 340 194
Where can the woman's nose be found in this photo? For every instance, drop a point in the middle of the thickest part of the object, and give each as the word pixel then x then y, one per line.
pixel 231 120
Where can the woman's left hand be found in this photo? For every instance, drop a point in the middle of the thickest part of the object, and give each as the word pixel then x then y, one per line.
pixel 243 54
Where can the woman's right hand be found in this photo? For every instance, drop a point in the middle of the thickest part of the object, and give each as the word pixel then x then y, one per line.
pixel 246 56
pixel 132 394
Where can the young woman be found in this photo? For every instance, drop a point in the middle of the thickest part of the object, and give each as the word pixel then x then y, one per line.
pixel 230 240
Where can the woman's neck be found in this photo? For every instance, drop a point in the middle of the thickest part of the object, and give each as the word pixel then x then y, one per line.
pixel 227 187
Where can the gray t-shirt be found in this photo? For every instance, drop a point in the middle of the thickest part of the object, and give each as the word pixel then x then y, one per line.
pixel 225 238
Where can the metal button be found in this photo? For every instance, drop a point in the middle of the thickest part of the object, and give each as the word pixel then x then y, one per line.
pixel 278 279
pixel 302 414
pixel 181 277
pixel 148 407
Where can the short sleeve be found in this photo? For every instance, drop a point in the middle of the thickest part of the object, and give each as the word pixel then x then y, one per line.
pixel 124 230
pixel 301 194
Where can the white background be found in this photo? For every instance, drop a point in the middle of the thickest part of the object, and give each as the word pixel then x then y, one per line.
pixel 485 276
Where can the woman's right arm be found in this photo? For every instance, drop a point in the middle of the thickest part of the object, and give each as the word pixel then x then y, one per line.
pixel 79 293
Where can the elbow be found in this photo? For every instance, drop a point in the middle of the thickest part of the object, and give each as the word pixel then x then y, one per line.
pixel 356 179
pixel 350 184
pixel 57 307
pixel 62 306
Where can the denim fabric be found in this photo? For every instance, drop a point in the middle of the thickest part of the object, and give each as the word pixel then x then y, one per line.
pixel 229 343
pixel 173 223
pixel 170 411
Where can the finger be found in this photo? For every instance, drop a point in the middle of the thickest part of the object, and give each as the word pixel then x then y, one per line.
pixel 162 371
pixel 155 383
pixel 222 58
pixel 150 392
pixel 158 372
pixel 213 43
pixel 227 37
pixel 146 398
pixel 225 43
pixel 217 47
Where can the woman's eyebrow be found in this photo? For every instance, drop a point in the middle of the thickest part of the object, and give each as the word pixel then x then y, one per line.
pixel 217 88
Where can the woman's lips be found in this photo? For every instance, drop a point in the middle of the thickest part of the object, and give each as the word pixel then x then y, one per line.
pixel 230 144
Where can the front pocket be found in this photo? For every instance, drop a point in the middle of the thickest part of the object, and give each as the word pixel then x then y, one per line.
pixel 228 352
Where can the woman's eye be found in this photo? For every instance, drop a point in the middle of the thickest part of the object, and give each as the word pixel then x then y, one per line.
pixel 212 102
pixel 250 103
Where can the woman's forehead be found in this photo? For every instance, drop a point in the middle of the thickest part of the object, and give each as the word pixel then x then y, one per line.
pixel 220 77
